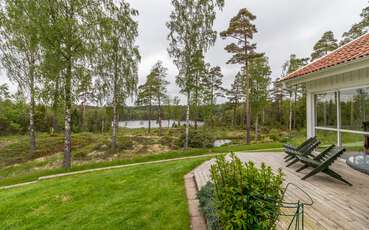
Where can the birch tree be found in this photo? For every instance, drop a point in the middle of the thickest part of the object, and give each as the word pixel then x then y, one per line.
pixel 68 29
pixel 21 51
pixel 191 32
pixel 118 56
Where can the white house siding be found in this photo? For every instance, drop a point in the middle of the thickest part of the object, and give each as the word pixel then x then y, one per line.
pixel 357 78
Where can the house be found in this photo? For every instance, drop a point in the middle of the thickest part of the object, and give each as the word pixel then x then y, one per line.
pixel 337 87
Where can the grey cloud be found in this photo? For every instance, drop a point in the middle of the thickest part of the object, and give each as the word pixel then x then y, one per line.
pixel 284 27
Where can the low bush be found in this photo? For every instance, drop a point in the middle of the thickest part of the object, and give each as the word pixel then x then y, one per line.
pixel 244 196
pixel 206 203
pixel 197 139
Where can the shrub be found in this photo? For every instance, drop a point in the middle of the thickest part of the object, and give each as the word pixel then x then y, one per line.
pixel 197 139
pixel 206 203
pixel 246 197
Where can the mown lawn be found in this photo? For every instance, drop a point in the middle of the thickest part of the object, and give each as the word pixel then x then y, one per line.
pixel 22 173
pixel 140 197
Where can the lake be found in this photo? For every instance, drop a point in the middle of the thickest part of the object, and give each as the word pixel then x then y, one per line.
pixel 154 124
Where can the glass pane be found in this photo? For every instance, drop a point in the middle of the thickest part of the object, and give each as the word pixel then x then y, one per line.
pixel 353 142
pixel 354 108
pixel 326 138
pixel 326 110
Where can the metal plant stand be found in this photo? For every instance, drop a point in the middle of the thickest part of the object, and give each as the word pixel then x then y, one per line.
pixel 298 207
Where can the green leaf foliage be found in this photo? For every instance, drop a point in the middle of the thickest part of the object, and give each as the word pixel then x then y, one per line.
pixel 207 206
pixel 245 196
pixel 198 139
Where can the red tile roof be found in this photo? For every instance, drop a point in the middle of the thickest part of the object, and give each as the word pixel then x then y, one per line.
pixel 354 50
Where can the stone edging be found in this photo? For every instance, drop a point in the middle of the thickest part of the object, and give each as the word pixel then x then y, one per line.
pixel 198 221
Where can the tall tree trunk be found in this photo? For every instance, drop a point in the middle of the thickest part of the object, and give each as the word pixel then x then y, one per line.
pixel 115 125
pixel 352 114
pixel 294 109
pixel 115 105
pixel 290 114
pixel 67 162
pixel 196 101
pixel 263 117
pixel 159 117
pixel 102 125
pixel 234 115
pixel 150 111
pixel 256 128
pixel 187 120
pixel 32 135
pixel 247 95
pixel 248 119
pixel 325 120
pixel 55 107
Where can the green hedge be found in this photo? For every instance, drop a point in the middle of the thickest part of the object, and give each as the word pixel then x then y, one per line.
pixel 244 196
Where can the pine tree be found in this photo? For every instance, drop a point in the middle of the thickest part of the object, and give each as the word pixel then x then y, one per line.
pixel 153 91
pixel 293 64
pixel 358 29
pixel 260 71
pixel 212 88
pixel 160 86
pixel 242 29
pixel 146 95
pixel 236 95
pixel 326 44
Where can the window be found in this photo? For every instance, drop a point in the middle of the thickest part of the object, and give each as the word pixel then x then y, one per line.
pixel 350 107
pixel 326 110
pixel 354 108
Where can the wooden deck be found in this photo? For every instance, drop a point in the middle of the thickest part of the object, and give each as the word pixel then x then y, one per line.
pixel 336 205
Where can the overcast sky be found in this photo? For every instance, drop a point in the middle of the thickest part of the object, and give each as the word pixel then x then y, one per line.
pixel 284 27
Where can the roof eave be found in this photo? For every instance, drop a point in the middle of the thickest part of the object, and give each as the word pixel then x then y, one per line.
pixel 327 72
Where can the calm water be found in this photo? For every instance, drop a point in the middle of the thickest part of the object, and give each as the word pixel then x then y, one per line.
pixel 219 143
pixel 154 124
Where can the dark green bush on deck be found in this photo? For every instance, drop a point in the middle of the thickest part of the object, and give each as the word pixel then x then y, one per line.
pixel 246 197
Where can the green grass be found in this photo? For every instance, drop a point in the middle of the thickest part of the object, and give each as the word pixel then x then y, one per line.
pixel 25 176
pixel 141 197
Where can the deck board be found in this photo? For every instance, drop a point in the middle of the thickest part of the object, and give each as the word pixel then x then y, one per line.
pixel 336 205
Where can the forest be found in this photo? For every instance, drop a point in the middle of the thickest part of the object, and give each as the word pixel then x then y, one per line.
pixel 75 65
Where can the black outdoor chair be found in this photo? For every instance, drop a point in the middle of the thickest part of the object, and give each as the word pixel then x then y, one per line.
pixel 294 148
pixel 306 151
pixel 322 162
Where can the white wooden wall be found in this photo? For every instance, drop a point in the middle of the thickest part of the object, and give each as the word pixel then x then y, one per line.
pixel 353 79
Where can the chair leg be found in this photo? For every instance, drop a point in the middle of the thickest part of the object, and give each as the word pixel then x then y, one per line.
pixel 336 176
pixel 292 162
pixel 302 168
pixel 312 173
pixel 290 158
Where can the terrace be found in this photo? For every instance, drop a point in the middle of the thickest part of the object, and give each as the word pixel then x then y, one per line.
pixel 336 205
